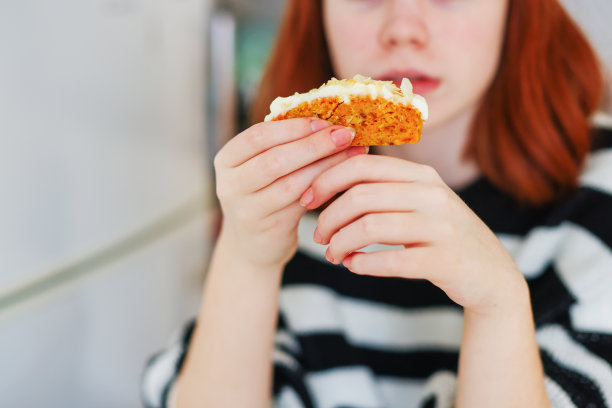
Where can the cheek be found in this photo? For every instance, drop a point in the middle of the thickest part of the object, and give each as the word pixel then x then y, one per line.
pixel 349 47
pixel 467 54
pixel 473 52
pixel 340 35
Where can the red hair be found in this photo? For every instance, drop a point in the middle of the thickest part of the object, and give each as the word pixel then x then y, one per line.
pixel 531 133
pixel 299 60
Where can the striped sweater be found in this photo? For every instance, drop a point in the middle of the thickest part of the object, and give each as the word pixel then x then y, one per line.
pixel 346 340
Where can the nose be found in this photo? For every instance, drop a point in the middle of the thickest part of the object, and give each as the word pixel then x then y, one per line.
pixel 404 25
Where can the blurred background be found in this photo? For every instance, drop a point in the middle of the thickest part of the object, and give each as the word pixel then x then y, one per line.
pixel 110 113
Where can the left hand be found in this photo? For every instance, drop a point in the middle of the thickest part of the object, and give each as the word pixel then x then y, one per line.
pixel 397 202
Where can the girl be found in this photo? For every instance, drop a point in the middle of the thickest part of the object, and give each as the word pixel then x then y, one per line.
pixel 495 290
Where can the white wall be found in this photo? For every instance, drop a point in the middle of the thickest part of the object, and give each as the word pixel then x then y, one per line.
pixel 594 18
pixel 104 195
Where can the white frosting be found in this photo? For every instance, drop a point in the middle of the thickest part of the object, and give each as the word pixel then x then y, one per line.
pixel 346 88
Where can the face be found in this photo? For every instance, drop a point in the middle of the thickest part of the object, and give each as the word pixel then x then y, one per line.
pixel 449 49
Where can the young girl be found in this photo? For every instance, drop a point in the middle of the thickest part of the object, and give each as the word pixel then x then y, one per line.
pixel 494 288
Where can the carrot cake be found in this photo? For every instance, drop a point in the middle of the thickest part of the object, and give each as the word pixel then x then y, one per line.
pixel 380 112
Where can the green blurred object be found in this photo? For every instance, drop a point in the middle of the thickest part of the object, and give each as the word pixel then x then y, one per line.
pixel 253 42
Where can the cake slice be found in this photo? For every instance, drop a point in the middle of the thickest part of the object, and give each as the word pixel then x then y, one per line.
pixel 380 112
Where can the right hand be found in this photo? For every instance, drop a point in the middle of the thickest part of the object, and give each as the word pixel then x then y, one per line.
pixel 261 174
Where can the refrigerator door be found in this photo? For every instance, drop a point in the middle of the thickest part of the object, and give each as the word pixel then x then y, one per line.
pixel 105 194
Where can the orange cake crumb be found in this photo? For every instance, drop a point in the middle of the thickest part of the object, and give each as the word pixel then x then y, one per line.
pixel 376 121
pixel 379 111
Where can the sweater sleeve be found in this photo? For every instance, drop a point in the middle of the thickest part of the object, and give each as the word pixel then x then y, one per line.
pixel 575 336
pixel 162 369
pixel 289 389
pixel 576 354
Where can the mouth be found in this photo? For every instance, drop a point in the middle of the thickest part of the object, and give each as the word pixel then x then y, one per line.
pixel 421 82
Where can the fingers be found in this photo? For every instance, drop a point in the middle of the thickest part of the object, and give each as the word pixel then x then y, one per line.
pixel 263 136
pixel 411 263
pixel 281 160
pixel 288 189
pixel 377 198
pixel 370 168
pixel 409 229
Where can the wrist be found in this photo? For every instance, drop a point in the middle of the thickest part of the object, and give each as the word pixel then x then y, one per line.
pixel 255 252
pixel 228 253
pixel 231 276
pixel 510 299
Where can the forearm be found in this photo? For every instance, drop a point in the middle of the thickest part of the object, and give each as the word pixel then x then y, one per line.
pixel 229 360
pixel 499 364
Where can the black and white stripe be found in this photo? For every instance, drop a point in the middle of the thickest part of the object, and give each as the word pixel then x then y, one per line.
pixel 346 340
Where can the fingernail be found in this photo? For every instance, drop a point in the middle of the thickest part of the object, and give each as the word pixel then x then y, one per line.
pixel 354 151
pixel 307 197
pixel 329 257
pixel 319 124
pixel 343 136
pixel 317 236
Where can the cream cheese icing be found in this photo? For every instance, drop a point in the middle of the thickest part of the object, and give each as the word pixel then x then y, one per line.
pixel 345 88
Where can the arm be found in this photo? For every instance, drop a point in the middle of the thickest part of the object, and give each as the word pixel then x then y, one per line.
pixel 396 202
pixel 499 362
pixel 232 367
pixel 261 173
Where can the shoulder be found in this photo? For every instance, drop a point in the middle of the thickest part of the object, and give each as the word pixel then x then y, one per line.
pixel 588 210
pixel 566 254
pixel 597 169
pixel 590 204
pixel 602 131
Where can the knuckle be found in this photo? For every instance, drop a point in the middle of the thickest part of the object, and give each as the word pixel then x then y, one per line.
pixel 220 191
pixel 313 147
pixel 359 163
pixel 255 136
pixel 354 164
pixel 271 166
pixel 289 189
pixel 351 196
pixel 223 192
pixel 368 224
pixel 407 264
pixel 393 262
pixel 429 172
pixel 218 160
pixel 440 195
pixel 360 194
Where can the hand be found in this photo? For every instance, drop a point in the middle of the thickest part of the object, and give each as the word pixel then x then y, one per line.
pixel 396 202
pixel 262 172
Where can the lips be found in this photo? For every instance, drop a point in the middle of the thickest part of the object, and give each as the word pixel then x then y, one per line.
pixel 421 82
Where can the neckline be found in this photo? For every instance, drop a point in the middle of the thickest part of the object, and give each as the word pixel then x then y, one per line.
pixel 469 189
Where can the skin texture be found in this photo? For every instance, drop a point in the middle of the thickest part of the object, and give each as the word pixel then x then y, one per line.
pixel 261 174
pixel 395 200
pixel 398 202
pixel 455 41
pixel 269 175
